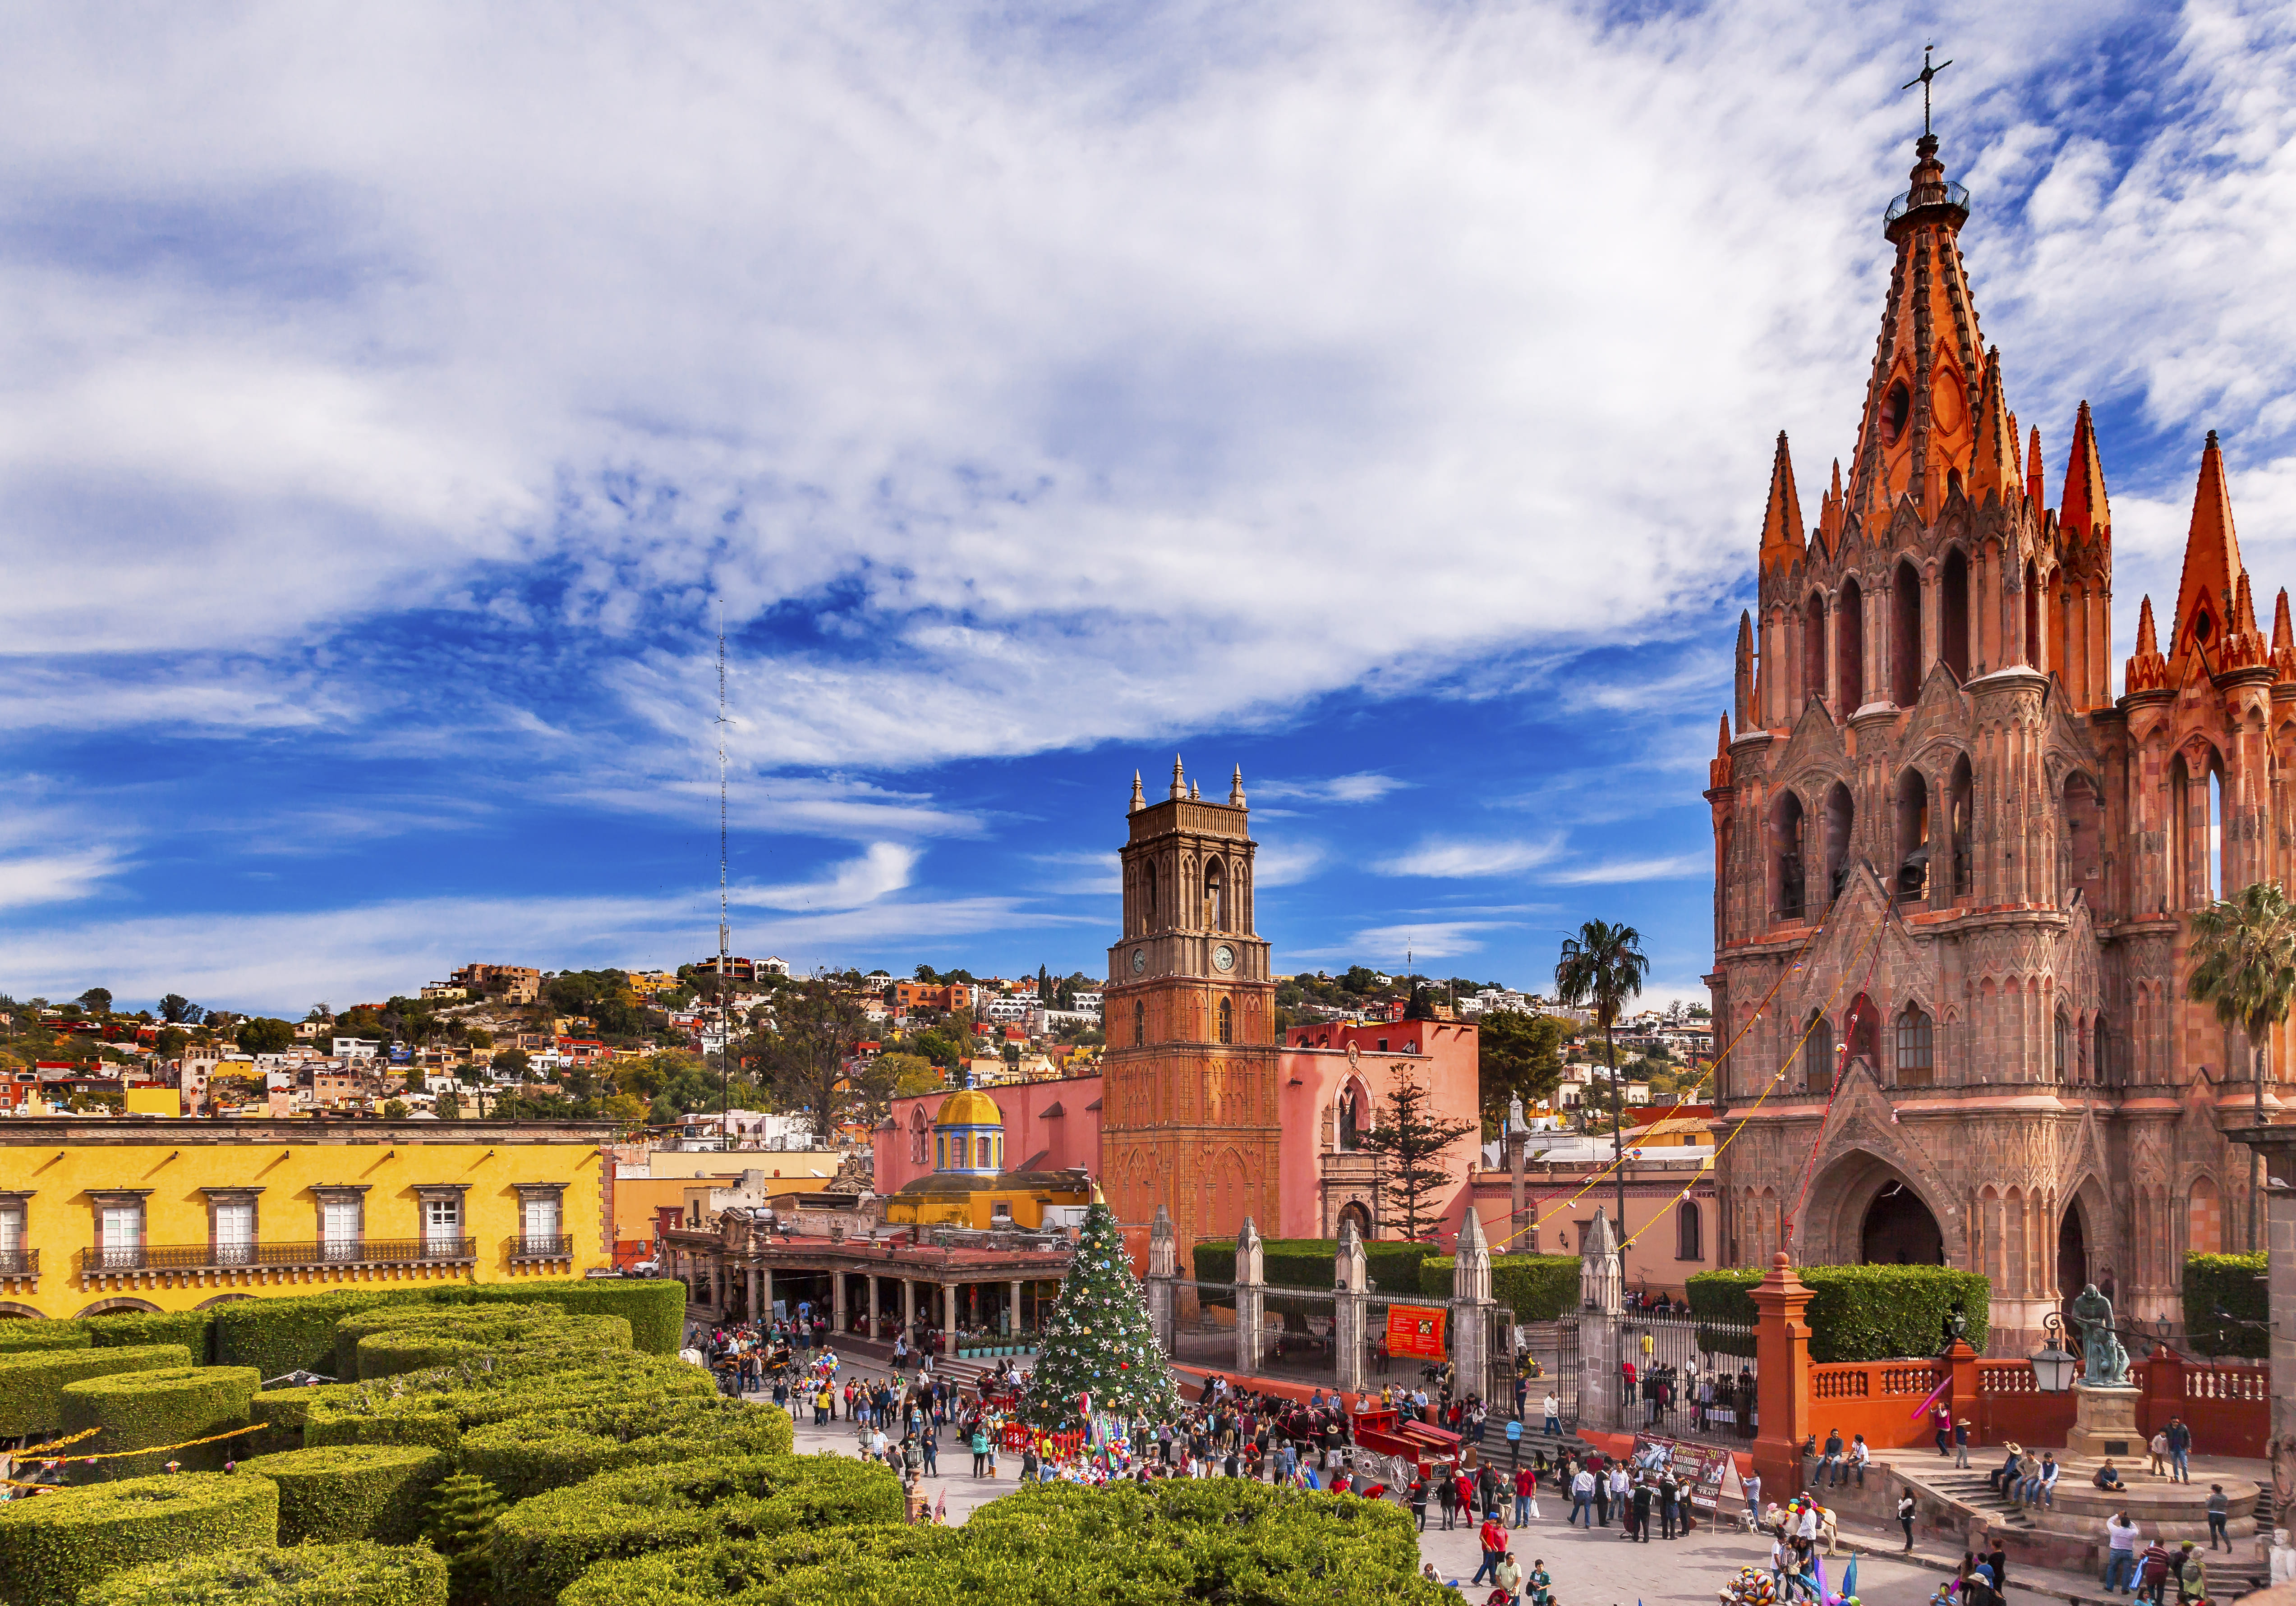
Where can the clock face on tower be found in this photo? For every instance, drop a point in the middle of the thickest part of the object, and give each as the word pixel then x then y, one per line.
pixel 1224 957
pixel 1139 959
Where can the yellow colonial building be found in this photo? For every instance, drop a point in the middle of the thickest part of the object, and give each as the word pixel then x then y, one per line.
pixel 133 1213
pixel 970 1188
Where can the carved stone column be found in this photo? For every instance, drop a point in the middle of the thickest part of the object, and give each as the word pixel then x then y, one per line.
pixel 1351 1307
pixel 1602 1301
pixel 1470 1305
pixel 1250 1299
pixel 1163 1263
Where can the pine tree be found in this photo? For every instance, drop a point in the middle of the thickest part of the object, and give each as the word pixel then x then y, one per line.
pixel 460 1523
pixel 1098 1341
pixel 1411 1142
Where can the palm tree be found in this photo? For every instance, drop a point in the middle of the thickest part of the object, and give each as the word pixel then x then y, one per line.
pixel 1601 969
pixel 2245 955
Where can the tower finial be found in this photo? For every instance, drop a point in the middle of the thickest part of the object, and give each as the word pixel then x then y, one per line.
pixel 1924 77
pixel 1179 780
pixel 1235 788
pixel 1139 801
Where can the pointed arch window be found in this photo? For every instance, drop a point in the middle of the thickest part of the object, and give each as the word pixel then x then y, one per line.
pixel 1817 1055
pixel 1139 1023
pixel 2100 1053
pixel 1916 1067
pixel 1689 1235
pixel 1227 1019
pixel 1906 636
pixel 2061 1062
pixel 1214 897
pixel 1850 647
pixel 1147 895
pixel 1787 860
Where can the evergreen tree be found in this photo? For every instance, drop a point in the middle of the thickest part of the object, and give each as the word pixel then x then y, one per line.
pixel 1098 1341
pixel 459 1522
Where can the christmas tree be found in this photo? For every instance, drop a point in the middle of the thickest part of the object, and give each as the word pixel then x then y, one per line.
pixel 1098 1343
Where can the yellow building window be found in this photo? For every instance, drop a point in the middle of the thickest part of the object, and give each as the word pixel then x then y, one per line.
pixel 940 1154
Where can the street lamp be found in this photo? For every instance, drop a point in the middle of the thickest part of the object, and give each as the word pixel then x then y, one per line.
pixel 2053 1368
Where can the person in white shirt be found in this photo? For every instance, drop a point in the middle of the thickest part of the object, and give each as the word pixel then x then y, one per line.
pixel 1859 1454
pixel 2120 1554
pixel 1582 1496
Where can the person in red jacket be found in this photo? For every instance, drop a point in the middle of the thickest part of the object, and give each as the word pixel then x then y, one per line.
pixel 1493 1538
pixel 1525 1490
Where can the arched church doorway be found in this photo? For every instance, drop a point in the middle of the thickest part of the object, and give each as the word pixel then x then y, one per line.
pixel 2072 1255
pixel 1900 1231
pixel 1353 1210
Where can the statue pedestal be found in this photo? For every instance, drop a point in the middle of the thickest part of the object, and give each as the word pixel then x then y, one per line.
pixel 2104 1422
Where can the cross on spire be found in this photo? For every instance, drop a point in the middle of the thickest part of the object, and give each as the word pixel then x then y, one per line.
pixel 1927 74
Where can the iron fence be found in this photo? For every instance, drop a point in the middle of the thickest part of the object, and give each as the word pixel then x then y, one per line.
pixel 219 1256
pixel 1692 1379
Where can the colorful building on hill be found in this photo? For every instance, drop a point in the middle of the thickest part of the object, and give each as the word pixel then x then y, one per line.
pixel 130 1214
pixel 1954 871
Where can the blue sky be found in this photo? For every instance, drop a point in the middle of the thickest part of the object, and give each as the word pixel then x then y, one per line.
pixel 1380 397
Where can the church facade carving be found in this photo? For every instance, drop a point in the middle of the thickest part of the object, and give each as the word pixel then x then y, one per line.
pixel 1953 869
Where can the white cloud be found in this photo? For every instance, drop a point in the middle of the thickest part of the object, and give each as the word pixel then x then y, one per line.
pixel 1288 864
pixel 1459 858
pixel 884 869
pixel 1364 786
pixel 1386 947
pixel 1670 867
pixel 36 879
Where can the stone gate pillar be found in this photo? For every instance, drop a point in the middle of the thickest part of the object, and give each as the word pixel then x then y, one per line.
pixel 1602 1302
pixel 1163 1263
pixel 1470 1308
pixel 1781 1377
pixel 1351 1307
pixel 1251 1300
pixel 1522 1239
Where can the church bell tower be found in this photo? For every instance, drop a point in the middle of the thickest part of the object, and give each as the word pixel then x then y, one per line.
pixel 1189 1072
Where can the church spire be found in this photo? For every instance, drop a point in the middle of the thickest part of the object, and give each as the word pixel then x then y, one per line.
pixel 2035 492
pixel 1743 688
pixel 1235 788
pixel 1139 802
pixel 1179 780
pixel 2205 596
pixel 1717 772
pixel 1993 471
pixel 2147 670
pixel 2083 511
pixel 1782 536
pixel 2284 643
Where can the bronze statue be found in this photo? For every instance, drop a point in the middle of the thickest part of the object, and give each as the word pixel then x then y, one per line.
pixel 2107 1362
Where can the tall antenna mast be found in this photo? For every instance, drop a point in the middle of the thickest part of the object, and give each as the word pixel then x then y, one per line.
pixel 725 925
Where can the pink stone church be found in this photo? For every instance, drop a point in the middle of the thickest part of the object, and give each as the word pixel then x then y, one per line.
pixel 1953 868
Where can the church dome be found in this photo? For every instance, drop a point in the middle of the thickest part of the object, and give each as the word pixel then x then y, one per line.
pixel 968 1107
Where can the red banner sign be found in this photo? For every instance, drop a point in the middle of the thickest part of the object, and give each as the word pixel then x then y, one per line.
pixel 1416 1330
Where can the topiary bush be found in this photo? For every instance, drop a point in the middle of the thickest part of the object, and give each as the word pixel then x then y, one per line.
pixel 339 1492
pixel 32 1380
pixel 194 1330
pixel 543 1544
pixel 437 1323
pixel 423 1345
pixel 525 1455
pixel 20 1334
pixel 1215 1539
pixel 132 1410
pixel 53 1546
pixel 1857 1312
pixel 308 1574
pixel 1537 1287
pixel 2234 1285
pixel 296 1333
pixel 280 1336
pixel 654 1308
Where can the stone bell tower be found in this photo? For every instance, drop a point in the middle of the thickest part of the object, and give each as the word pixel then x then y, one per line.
pixel 1189 1073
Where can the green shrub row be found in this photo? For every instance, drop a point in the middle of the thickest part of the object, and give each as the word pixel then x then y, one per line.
pixel 1537 1287
pixel 307 1575
pixel 438 1411
pixel 32 1380
pixel 1857 1312
pixel 342 1492
pixel 2234 1285
pixel 525 1455
pixel 1392 1265
pixel 298 1333
pixel 136 1410
pixel 474 1337
pixel 543 1544
pixel 20 1334
pixel 53 1546
pixel 1215 1539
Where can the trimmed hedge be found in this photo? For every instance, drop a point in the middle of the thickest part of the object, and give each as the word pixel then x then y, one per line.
pixel 298 1333
pixel 543 1544
pixel 194 1330
pixel 1215 1539
pixel 309 1575
pixel 133 1409
pixel 525 1455
pixel 1857 1312
pixel 342 1491
pixel 1392 1265
pixel 32 1380
pixel 2234 1285
pixel 439 1414
pixel 53 1546
pixel 1537 1287
pixel 420 1347
pixel 20 1333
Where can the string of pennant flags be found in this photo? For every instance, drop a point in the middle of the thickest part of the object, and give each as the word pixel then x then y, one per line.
pixel 51 1463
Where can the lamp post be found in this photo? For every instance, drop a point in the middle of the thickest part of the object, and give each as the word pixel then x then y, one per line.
pixel 2054 1367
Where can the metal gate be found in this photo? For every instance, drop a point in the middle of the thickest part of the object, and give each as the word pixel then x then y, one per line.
pixel 1548 1352
pixel 1692 1379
